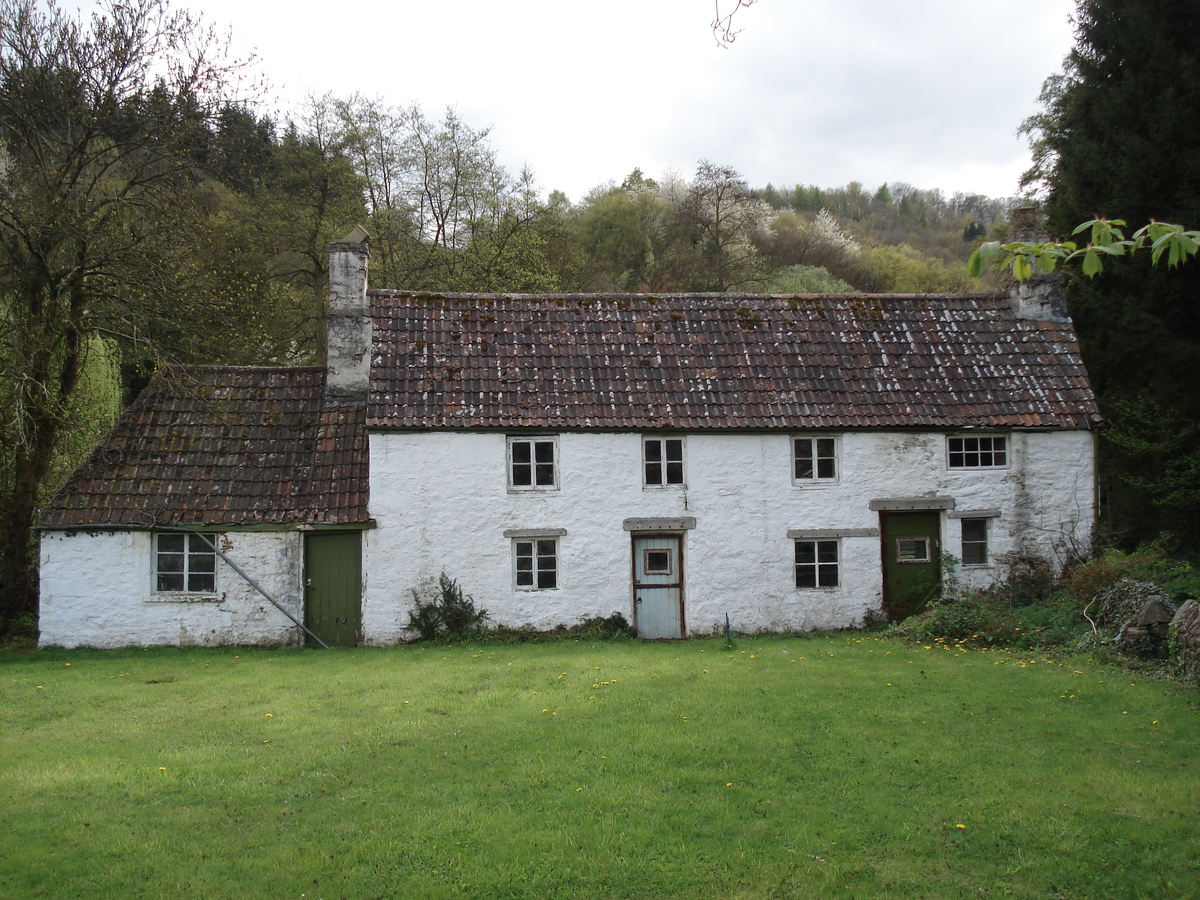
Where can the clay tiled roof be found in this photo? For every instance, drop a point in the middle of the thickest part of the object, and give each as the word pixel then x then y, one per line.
pixel 224 446
pixel 726 361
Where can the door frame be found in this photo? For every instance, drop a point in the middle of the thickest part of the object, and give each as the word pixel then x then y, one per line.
pixel 677 537
pixel 887 560
pixel 354 605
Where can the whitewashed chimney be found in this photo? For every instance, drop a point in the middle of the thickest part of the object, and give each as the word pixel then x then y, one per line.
pixel 348 321
pixel 1041 296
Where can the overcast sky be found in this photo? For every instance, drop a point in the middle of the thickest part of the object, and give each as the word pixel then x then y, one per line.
pixel 929 92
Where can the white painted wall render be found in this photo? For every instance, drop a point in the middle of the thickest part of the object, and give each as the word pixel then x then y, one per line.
pixel 441 502
pixel 97 590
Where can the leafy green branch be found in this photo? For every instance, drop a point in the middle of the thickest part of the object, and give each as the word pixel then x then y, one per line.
pixel 1106 238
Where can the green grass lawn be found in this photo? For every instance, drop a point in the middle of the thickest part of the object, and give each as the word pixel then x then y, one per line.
pixel 826 766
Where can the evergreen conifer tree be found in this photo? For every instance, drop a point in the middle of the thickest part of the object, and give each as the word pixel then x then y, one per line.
pixel 1120 137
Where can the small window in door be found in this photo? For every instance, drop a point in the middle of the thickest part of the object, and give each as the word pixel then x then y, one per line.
pixel 657 562
pixel 912 550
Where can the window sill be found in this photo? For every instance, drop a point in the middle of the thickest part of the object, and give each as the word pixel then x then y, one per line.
pixel 183 597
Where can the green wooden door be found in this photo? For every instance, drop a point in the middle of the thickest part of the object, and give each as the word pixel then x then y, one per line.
pixel 658 586
pixel 911 561
pixel 333 586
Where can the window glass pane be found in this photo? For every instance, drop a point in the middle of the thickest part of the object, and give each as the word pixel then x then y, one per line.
pixel 201 582
pixel 520 452
pixel 978 452
pixel 543 453
pixel 547 563
pixel 658 562
pixel 170 543
pixel 674 473
pixel 524 564
pixel 168 582
pixel 653 451
pixel 816 564
pixel 974 542
pixel 912 549
pixel 675 450
pixel 804 458
pixel 654 473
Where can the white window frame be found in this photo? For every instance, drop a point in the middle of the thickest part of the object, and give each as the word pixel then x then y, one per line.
pixel 664 462
pixel 193 549
pixel 977 452
pixel 820 567
pixel 813 441
pixel 532 547
pixel 532 441
pixel 986 543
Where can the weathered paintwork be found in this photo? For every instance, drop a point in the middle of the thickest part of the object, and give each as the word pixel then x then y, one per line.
pixel 97 590
pixel 442 503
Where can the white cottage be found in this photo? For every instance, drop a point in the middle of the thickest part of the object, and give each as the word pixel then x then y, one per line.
pixel 791 462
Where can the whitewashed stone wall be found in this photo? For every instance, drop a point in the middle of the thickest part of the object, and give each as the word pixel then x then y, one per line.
pixel 97 590
pixel 442 503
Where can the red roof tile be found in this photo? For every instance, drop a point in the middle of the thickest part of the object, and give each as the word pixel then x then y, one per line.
pixel 224 446
pixel 725 361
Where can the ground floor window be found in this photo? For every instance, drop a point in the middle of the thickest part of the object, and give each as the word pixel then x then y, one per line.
pixel 975 542
pixel 816 564
pixel 184 563
pixel 537 564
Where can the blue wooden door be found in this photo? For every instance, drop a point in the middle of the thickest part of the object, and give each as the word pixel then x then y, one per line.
pixel 658 586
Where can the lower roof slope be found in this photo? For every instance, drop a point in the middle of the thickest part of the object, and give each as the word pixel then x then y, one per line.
pixel 211 445
pixel 724 361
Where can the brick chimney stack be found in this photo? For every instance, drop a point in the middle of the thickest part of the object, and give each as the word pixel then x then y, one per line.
pixel 348 323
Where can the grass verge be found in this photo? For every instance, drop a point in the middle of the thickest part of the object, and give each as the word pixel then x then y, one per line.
pixel 833 766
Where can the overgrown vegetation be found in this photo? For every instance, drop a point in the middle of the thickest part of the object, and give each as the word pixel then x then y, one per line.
pixel 445 611
pixel 839 766
pixel 1087 606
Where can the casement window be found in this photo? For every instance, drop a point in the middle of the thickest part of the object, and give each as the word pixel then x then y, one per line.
pixel 662 460
pixel 184 563
pixel 533 464
pixel 536 562
pixel 816 564
pixel 974 542
pixel 990 452
pixel 814 459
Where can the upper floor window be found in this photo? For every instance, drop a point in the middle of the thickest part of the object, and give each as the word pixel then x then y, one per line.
pixel 184 563
pixel 814 459
pixel 532 464
pixel 662 461
pixel 989 452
